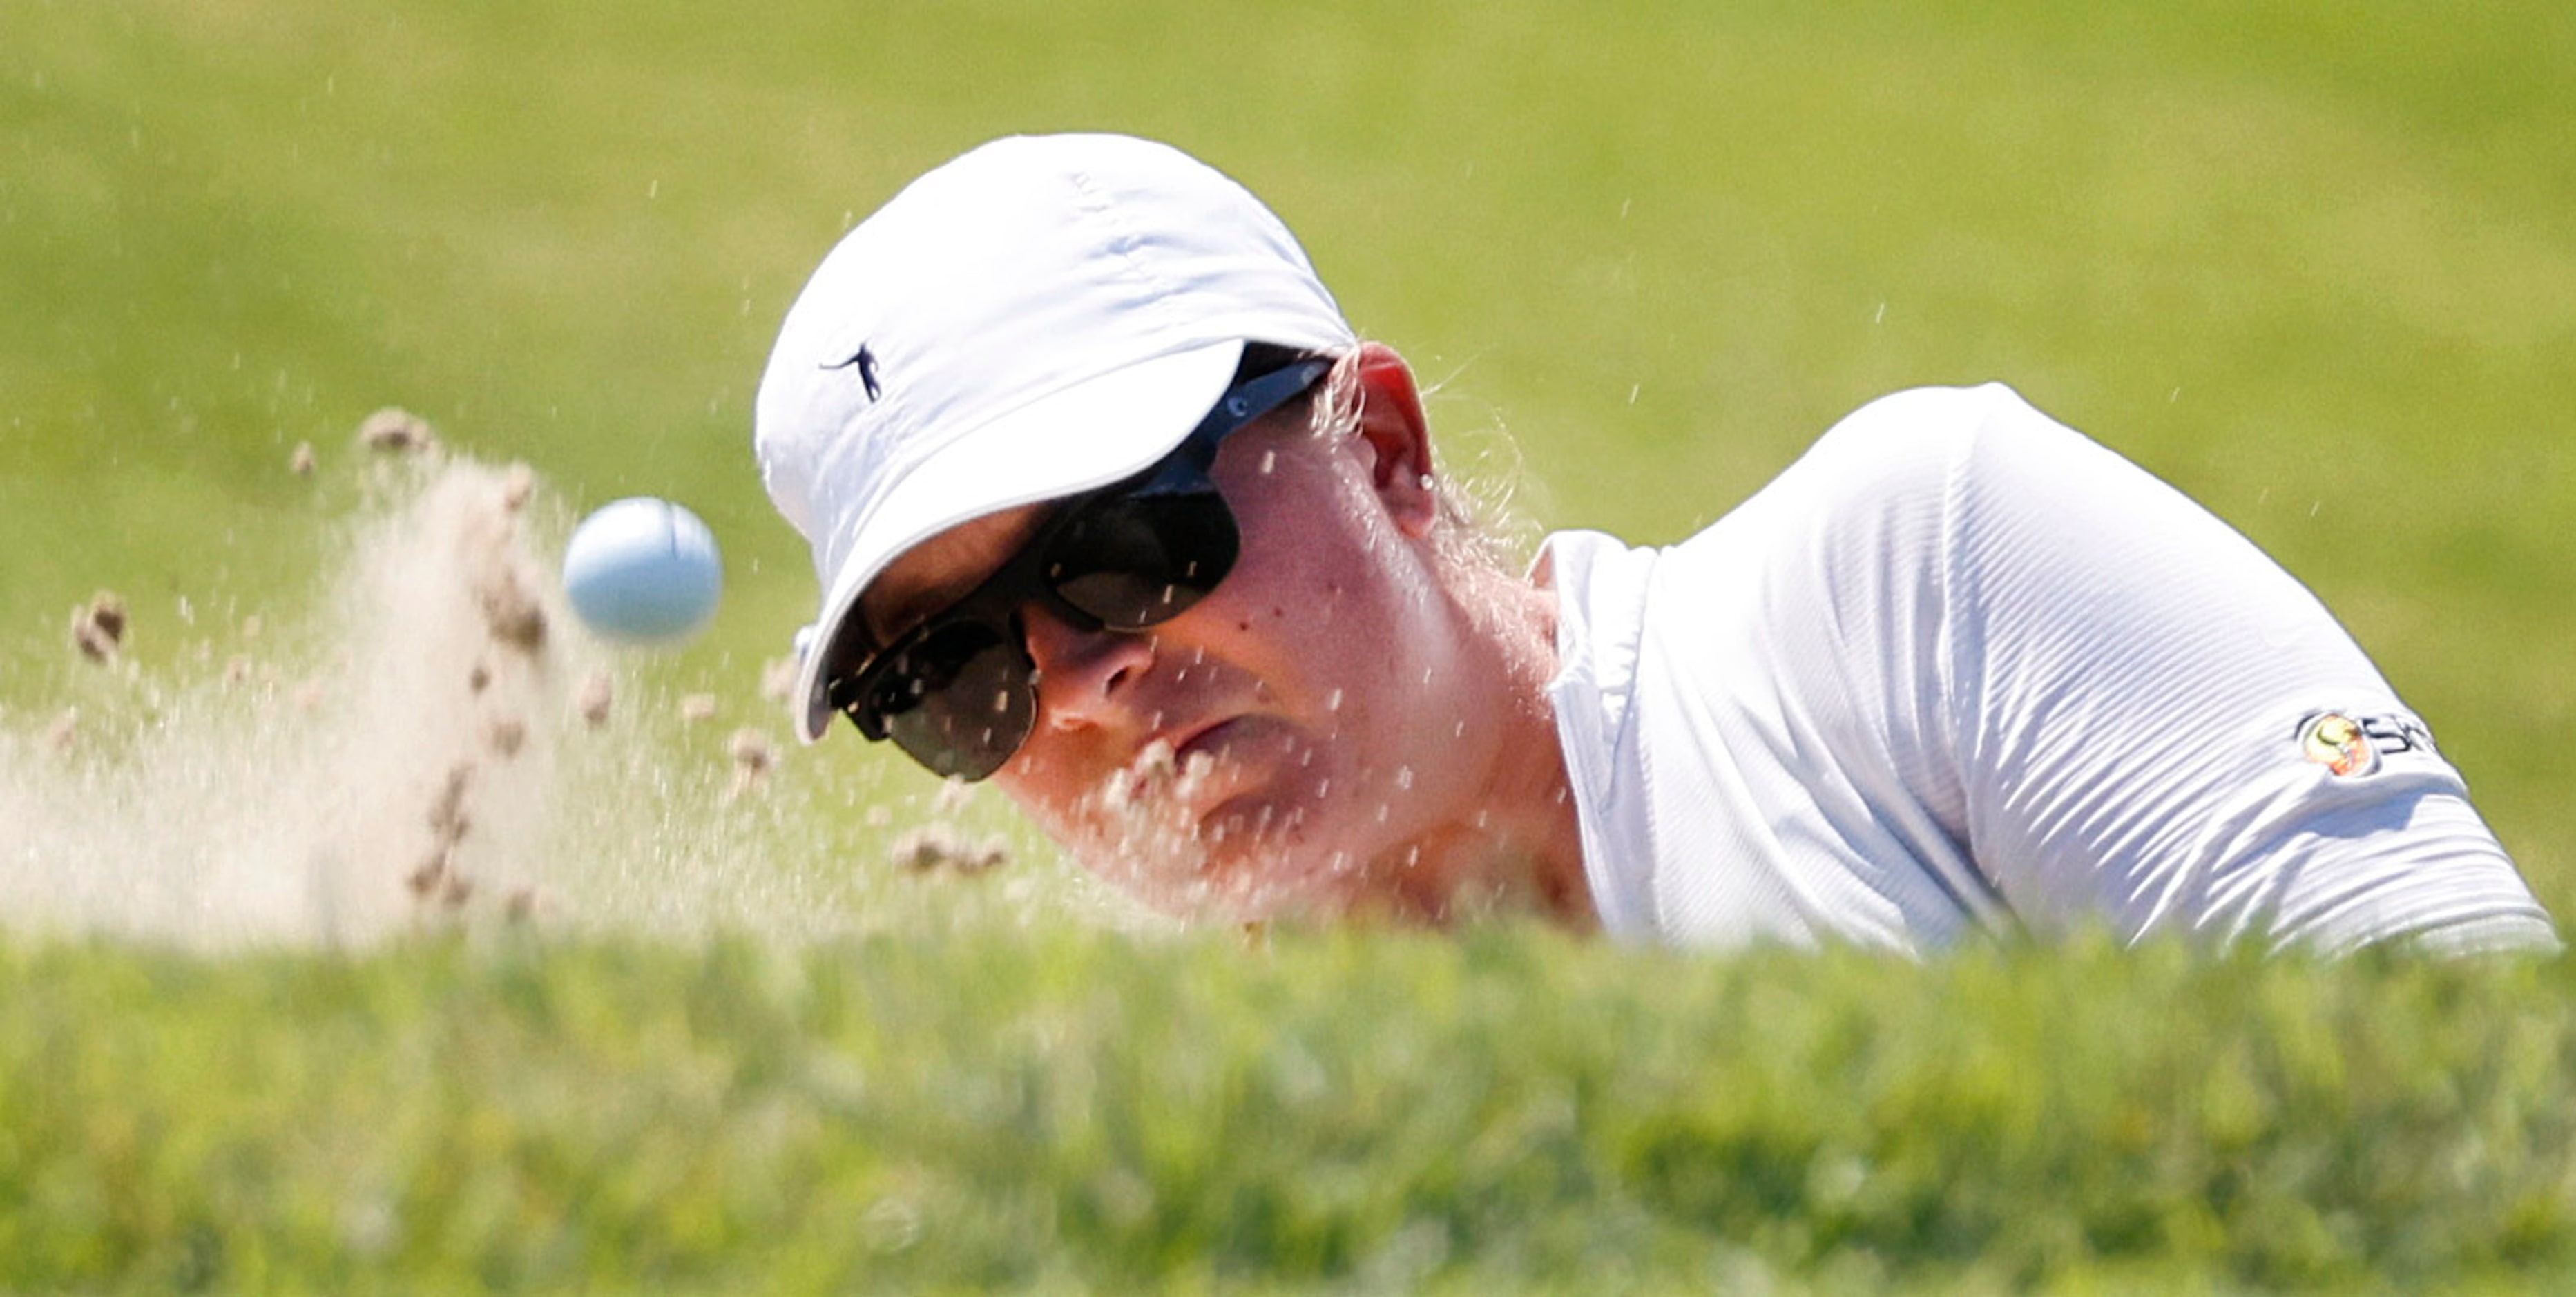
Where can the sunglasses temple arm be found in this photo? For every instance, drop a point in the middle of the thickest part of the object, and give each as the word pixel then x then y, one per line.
pixel 1249 401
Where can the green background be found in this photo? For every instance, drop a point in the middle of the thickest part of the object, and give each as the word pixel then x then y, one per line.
pixel 2313 263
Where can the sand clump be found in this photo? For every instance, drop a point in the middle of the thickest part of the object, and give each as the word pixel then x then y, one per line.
pixel 936 847
pixel 98 628
pixel 505 736
pixel 595 699
pixel 396 431
pixel 778 679
pixel 753 756
pixel 438 879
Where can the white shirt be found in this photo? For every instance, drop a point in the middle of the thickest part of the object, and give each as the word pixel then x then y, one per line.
pixel 1962 669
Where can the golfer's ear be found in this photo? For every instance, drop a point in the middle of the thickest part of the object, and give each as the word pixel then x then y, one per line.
pixel 1396 436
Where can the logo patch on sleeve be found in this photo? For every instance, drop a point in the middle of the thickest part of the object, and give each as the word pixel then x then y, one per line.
pixel 2351 746
pixel 2336 742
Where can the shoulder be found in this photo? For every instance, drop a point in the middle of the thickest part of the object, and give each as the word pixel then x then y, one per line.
pixel 1980 452
pixel 1927 429
pixel 1904 444
pixel 1892 464
pixel 1919 413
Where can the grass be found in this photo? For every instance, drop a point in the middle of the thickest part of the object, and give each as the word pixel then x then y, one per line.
pixel 1060 1109
pixel 2316 265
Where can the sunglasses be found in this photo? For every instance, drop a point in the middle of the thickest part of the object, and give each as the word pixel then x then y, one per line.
pixel 958 692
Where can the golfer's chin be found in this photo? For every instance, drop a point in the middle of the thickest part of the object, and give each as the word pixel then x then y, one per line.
pixel 1228 877
pixel 1241 836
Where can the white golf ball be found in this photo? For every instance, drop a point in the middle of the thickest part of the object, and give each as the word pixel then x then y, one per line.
pixel 643 571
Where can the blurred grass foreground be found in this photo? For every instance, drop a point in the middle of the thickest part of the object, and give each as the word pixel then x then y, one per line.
pixel 688 1030
pixel 1065 1110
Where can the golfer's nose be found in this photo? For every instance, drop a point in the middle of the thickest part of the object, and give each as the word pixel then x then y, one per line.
pixel 1082 674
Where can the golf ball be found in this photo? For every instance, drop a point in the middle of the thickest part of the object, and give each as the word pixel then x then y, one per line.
pixel 643 571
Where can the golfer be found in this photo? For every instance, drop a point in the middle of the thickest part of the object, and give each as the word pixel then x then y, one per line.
pixel 1112 507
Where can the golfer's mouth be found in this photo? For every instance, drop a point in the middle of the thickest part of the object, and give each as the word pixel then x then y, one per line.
pixel 1206 741
pixel 1184 779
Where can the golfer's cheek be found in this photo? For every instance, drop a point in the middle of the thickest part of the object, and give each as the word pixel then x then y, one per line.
pixel 1054 769
pixel 1033 773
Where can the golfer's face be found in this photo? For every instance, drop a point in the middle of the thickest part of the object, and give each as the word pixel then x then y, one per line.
pixel 1263 749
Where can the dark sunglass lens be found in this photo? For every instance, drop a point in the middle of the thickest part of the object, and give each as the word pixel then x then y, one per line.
pixel 1135 561
pixel 959 702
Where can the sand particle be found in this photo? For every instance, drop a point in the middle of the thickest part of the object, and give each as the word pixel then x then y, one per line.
pixel 397 432
pixel 753 755
pixel 506 736
pixel 595 698
pixel 98 630
pixel 778 679
pixel 447 818
pixel 517 485
pixel 938 846
pixel 428 876
pixel 514 616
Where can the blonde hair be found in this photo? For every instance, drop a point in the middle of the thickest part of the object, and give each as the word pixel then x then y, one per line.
pixel 1478 525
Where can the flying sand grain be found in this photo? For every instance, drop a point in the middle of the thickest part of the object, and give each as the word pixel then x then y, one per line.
pixel 595 698
pixel 517 485
pixel 514 616
pixel 396 431
pixel 778 679
pixel 506 736
pixel 98 630
pixel 935 847
pixel 753 755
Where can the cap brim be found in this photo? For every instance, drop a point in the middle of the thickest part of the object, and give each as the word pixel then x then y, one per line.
pixel 1090 434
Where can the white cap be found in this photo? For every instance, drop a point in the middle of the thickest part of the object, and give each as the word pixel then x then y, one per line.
pixel 1041 316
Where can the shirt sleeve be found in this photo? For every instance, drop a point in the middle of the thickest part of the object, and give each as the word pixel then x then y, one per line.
pixel 2150 721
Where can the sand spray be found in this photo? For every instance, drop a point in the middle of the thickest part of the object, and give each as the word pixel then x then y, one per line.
pixel 442 746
